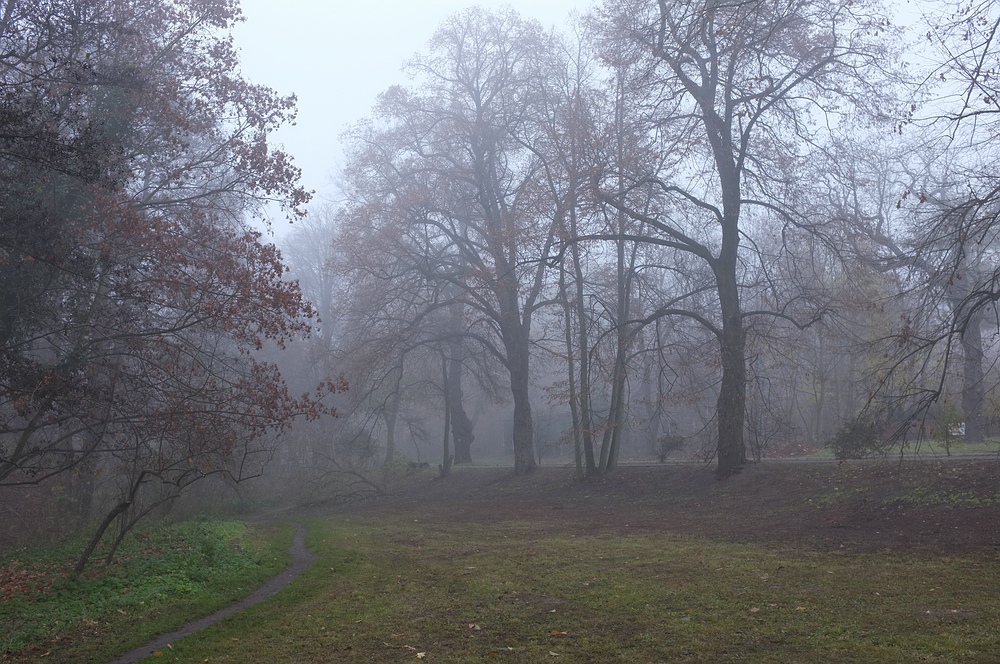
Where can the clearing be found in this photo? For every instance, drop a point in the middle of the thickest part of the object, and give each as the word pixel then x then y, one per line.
pixel 787 562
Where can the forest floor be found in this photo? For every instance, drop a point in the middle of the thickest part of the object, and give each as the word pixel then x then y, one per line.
pixel 944 505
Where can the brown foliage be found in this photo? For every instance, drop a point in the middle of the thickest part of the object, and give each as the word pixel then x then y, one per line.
pixel 136 293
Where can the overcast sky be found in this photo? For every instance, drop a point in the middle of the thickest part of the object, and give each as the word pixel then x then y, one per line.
pixel 337 56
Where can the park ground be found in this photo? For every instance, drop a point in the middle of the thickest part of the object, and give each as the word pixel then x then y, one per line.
pixel 859 561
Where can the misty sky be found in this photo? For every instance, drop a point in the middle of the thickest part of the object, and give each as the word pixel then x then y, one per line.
pixel 337 56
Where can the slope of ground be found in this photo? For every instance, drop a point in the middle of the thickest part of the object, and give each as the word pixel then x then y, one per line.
pixel 941 504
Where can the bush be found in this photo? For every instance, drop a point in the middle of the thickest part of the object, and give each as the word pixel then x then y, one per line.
pixel 858 439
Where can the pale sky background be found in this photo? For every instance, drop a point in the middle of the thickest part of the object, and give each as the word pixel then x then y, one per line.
pixel 338 56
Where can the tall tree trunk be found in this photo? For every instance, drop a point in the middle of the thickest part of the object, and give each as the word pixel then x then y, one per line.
pixel 524 435
pixel 819 390
pixel 654 405
pixel 446 458
pixel 972 383
pixel 616 415
pixel 611 442
pixel 586 415
pixel 971 340
pixel 616 418
pixel 391 413
pixel 516 338
pixel 731 406
pixel 461 425
pixel 574 408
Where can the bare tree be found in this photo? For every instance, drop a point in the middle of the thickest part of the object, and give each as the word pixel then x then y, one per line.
pixel 449 165
pixel 740 86
pixel 957 207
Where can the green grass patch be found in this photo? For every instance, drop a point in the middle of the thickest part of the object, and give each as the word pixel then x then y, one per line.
pixel 956 446
pixel 163 577
pixel 929 497
pixel 397 589
pixel 926 448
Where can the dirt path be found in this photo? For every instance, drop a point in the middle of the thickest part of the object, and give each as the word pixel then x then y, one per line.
pixel 301 560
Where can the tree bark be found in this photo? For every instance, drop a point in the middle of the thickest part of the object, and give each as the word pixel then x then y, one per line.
pixel 731 406
pixel 391 412
pixel 523 431
pixel 574 408
pixel 972 382
pixel 446 458
pixel 461 425
pixel 586 417
pixel 81 562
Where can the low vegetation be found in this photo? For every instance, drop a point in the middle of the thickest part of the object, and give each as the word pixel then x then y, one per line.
pixel 161 579
pixel 854 562
pixel 520 592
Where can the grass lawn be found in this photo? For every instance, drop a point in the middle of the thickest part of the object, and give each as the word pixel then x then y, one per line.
pixel 543 578
pixel 522 592
pixel 162 578
pixel 650 565
pixel 931 447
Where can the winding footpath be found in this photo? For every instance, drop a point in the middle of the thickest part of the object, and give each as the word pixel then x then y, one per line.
pixel 301 560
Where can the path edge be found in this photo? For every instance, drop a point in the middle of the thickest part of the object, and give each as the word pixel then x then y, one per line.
pixel 302 558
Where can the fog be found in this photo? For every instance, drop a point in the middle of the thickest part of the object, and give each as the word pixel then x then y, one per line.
pixel 713 233
pixel 673 322
pixel 336 57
